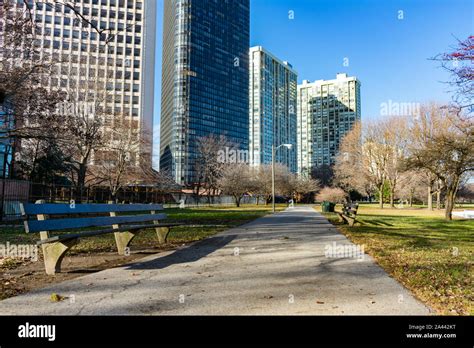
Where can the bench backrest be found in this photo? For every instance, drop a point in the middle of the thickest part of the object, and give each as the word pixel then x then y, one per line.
pixel 351 208
pixel 87 221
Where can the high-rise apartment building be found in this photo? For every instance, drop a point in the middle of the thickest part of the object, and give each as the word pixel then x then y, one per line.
pixel 119 62
pixel 273 100
pixel 327 110
pixel 204 79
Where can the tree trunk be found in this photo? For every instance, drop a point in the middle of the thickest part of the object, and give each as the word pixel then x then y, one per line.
pixel 392 194
pixel 411 199
pixel 381 196
pixel 449 203
pixel 81 178
pixel 430 199
pixel 237 201
pixel 438 199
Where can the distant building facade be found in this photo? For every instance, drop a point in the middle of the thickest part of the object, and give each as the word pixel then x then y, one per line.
pixel 120 65
pixel 327 110
pixel 273 100
pixel 204 80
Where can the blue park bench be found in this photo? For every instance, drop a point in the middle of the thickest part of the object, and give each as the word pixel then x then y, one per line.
pixel 71 222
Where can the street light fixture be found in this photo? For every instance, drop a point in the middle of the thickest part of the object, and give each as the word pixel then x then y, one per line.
pixel 274 150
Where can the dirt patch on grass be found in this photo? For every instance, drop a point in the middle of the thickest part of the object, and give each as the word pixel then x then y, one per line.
pixel 19 276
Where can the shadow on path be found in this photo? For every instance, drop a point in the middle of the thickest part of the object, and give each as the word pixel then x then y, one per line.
pixel 192 253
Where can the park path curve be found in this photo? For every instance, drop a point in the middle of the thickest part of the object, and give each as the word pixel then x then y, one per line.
pixel 275 265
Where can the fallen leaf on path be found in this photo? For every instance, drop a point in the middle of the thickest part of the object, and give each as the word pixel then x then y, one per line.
pixel 319 302
pixel 56 298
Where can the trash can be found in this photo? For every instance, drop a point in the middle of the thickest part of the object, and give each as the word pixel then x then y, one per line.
pixel 327 207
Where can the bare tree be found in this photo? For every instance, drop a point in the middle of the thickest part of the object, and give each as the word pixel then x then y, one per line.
pixel 116 162
pixel 411 186
pixel 362 160
pixel 443 144
pixel 28 108
pixel 82 131
pixel 209 166
pixel 395 139
pixel 302 185
pixel 331 194
pixel 262 176
pixel 459 63
pixel 236 181
pixel 466 192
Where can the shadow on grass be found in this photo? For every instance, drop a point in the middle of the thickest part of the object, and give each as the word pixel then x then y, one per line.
pixel 418 232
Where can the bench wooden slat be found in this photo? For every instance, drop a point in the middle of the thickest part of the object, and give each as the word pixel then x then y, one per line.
pixel 70 236
pixel 65 224
pixel 62 209
pixel 353 211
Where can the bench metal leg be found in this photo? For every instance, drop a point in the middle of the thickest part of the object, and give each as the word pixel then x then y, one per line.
pixel 162 233
pixel 53 254
pixel 123 240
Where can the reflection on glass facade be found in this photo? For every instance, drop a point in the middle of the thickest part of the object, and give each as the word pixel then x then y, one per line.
pixel 327 110
pixel 204 81
pixel 6 143
pixel 273 89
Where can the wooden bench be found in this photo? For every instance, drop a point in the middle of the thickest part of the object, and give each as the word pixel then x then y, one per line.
pixel 349 213
pixel 67 219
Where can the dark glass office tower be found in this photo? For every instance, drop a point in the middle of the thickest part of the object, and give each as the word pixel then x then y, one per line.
pixel 205 79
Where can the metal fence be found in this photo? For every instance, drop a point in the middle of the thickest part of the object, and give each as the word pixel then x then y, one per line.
pixel 12 193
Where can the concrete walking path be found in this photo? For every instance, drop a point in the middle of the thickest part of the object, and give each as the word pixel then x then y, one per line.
pixel 275 265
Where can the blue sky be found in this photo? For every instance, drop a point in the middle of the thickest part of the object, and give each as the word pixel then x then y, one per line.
pixel 389 55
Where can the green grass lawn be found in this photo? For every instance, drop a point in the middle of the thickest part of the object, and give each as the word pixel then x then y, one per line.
pixel 200 223
pixel 432 257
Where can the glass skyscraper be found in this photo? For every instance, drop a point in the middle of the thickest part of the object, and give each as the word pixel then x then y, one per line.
pixel 327 110
pixel 204 80
pixel 273 99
